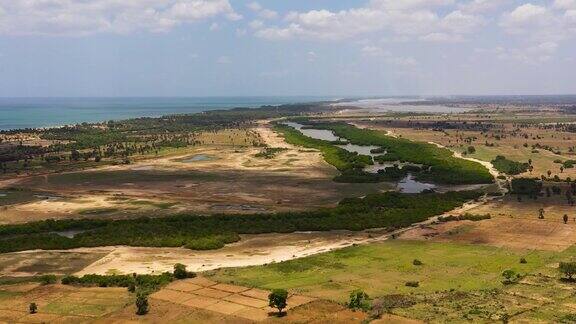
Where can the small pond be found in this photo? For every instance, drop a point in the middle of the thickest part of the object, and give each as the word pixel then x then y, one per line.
pixel 360 149
pixel 69 234
pixel 410 185
pixel 197 158
pixel 321 134
pixel 47 197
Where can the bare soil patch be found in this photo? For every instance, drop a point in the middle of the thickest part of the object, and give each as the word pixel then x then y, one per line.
pixel 233 180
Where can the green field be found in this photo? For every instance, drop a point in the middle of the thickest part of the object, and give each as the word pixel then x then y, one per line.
pixel 382 269
pixel 457 282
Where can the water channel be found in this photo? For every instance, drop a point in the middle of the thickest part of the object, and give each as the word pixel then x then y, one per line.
pixel 407 184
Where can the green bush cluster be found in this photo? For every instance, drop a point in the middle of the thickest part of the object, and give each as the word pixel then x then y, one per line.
pixel 146 283
pixel 390 209
pixel 502 164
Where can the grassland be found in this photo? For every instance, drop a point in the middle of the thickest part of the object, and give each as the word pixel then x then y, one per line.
pixel 384 268
pixel 457 282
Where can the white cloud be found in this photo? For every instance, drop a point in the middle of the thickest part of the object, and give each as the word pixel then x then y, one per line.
pixel 256 24
pixel 539 23
pixel 214 26
pixel 261 11
pixel 482 6
pixel 442 38
pixel 565 4
pixel 80 17
pixel 415 18
pixel 461 23
pixel 533 55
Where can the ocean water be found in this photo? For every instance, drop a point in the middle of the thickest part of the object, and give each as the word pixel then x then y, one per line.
pixel 18 113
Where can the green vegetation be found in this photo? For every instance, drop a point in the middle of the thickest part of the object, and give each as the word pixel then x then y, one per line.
pixel 446 266
pixel 440 164
pixel 359 300
pixel 526 186
pixel 465 216
pixel 32 308
pixel 340 158
pixel 502 164
pixel 88 145
pixel 144 283
pixel 270 152
pixel 142 306
pixel 383 210
pixel 181 273
pixel 278 299
pixel 568 269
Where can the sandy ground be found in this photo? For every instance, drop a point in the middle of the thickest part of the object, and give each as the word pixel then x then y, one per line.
pixel 251 250
pixel 231 180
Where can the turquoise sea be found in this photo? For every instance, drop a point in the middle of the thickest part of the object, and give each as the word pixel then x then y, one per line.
pixel 18 113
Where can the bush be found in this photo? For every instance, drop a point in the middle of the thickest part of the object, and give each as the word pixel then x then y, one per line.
pixel 417 262
pixel 142 304
pixel 413 284
pixel 510 277
pixel 33 308
pixel 568 269
pixel 358 300
pixel 502 164
pixel 181 273
pixel 278 299
pixel 48 279
pixel 523 261
pixel 526 186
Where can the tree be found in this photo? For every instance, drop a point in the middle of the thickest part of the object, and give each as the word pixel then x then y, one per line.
pixel 541 213
pixel 33 308
pixel 278 299
pixel 181 273
pixel 358 300
pixel 565 218
pixel 568 269
pixel 142 304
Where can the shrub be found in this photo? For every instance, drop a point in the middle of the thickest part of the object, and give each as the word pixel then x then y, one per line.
pixel 413 284
pixel 523 260
pixel 568 269
pixel 33 308
pixel 48 279
pixel 502 164
pixel 510 277
pixel 142 304
pixel 417 262
pixel 526 186
pixel 278 299
pixel 181 273
pixel 358 300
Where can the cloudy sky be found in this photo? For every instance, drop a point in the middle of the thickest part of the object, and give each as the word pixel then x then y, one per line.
pixel 286 47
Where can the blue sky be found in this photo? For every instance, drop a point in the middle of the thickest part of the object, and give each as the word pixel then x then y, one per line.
pixel 296 47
